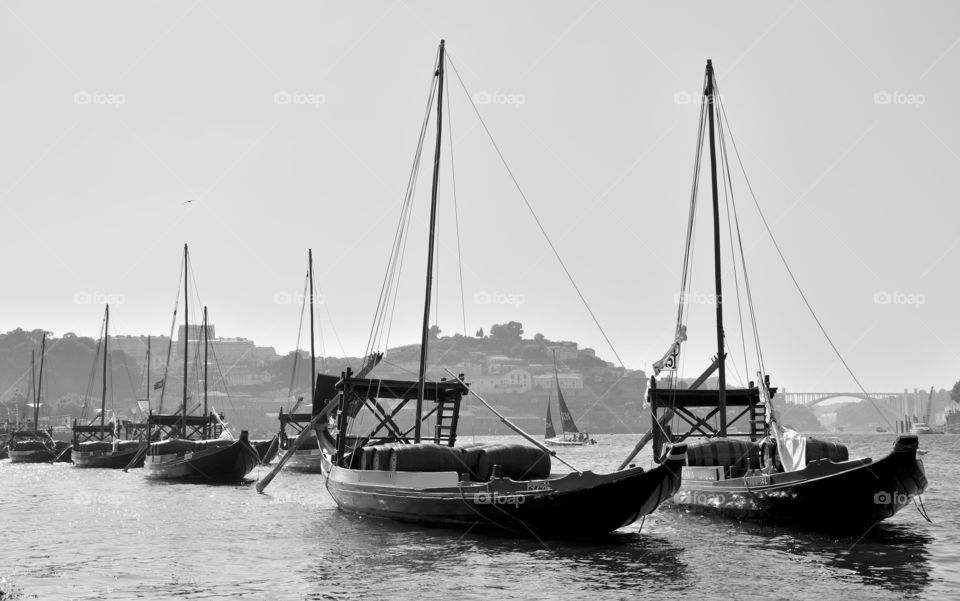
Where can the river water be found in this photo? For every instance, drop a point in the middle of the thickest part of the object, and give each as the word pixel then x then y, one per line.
pixel 102 534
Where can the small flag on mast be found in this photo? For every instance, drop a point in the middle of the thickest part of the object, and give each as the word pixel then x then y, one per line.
pixel 158 385
pixel 671 358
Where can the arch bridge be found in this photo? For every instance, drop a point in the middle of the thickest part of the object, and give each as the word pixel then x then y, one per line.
pixel 815 398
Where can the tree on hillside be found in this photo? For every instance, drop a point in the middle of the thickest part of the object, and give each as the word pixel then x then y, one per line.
pixel 434 332
pixel 507 332
pixel 955 393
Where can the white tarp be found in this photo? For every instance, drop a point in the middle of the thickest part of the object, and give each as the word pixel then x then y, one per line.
pixel 791 445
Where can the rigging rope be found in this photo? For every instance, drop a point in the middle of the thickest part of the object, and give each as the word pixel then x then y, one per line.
pixel 534 215
pixel 456 214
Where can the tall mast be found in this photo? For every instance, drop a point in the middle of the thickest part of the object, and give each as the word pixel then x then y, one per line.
pixel 148 372
pixel 36 402
pixel 33 387
pixel 186 337
pixel 106 353
pixel 205 364
pixel 722 380
pixel 314 401
pixel 433 225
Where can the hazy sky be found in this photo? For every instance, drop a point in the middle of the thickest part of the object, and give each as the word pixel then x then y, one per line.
pixel 115 113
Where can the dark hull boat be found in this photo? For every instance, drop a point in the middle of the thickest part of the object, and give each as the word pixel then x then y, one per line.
pixel 835 496
pixel 564 506
pixel 107 455
pixel 214 461
pixel 749 466
pixel 38 451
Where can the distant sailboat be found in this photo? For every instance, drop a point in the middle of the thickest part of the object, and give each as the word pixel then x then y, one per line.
pixel 100 444
pixel 195 447
pixel 570 434
pixel 37 446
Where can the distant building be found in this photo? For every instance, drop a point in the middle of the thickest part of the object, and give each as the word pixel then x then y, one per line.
pixel 515 381
pixel 568 381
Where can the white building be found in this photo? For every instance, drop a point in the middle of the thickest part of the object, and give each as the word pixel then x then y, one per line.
pixel 568 381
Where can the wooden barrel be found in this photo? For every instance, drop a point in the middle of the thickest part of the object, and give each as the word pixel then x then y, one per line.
pixel 738 454
pixel 823 449
pixel 366 457
pixel 516 461
pixel 426 457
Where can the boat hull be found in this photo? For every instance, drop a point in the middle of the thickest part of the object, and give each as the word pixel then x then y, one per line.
pixel 45 455
pixel 846 496
pixel 267 449
pixel 224 464
pixel 575 505
pixel 107 459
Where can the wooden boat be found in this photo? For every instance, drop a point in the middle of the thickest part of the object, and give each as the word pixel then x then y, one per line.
pixel 196 448
pixel 37 445
pixel 377 463
pixel 761 470
pixel 106 445
pixel 570 436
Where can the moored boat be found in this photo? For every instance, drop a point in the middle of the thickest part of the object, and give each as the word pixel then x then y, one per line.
pixel 747 465
pixel 195 448
pixel 392 451
pixel 36 445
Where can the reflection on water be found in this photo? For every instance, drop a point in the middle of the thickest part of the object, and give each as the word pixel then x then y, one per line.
pixel 92 534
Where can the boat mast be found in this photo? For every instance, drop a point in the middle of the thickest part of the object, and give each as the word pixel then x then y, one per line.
pixel 433 225
pixel 314 401
pixel 722 377
pixel 205 364
pixel 148 373
pixel 36 404
pixel 33 387
pixel 186 336
pixel 106 352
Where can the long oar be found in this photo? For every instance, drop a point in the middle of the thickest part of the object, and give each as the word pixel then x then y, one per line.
pixel 136 458
pixel 61 453
pixel 299 440
pixel 513 426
